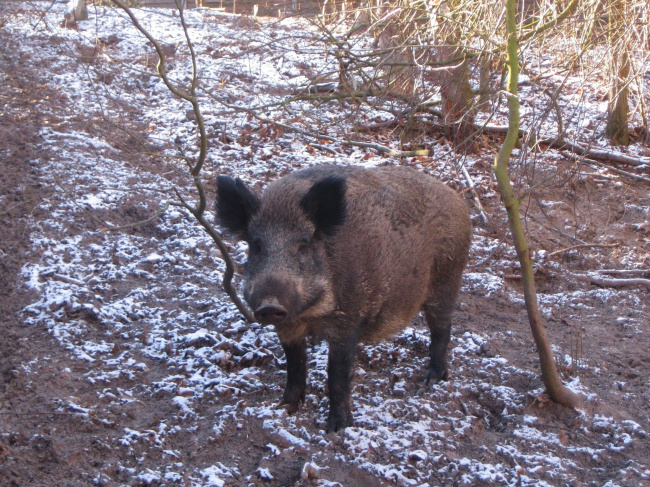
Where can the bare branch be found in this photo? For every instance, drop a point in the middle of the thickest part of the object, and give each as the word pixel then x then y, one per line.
pixel 581 246
pixel 569 9
pixel 195 170
pixel 563 144
pixel 159 51
pixel 625 272
pixel 137 224
pixel 317 136
pixel 605 282
pixel 617 170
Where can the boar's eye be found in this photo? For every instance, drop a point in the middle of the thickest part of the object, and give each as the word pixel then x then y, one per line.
pixel 302 246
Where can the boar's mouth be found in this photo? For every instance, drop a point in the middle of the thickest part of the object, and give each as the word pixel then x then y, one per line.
pixel 272 312
pixel 313 302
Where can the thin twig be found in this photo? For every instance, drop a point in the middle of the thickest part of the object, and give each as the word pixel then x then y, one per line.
pixel 137 224
pixel 583 436
pixel 563 144
pixel 472 189
pixel 625 272
pixel 600 155
pixel 581 246
pixel 69 280
pixel 617 170
pixel 195 169
pixel 325 148
pixel 491 254
pixel 317 136
pixel 605 282
pixel 549 227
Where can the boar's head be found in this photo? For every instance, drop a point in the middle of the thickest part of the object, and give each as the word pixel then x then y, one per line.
pixel 287 274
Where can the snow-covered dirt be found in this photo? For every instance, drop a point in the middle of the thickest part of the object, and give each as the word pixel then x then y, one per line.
pixel 123 361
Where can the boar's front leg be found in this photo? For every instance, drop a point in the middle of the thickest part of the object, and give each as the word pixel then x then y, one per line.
pixel 339 376
pixel 294 392
pixel 439 321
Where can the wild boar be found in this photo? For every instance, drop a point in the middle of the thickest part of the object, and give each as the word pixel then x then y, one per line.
pixel 349 255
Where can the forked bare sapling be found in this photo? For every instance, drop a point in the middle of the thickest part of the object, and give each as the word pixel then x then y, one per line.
pixel 349 255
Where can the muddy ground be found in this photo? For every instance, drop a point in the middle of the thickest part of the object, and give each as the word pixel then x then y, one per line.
pixel 44 441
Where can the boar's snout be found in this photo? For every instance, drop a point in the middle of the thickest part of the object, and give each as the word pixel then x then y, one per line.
pixel 274 298
pixel 271 313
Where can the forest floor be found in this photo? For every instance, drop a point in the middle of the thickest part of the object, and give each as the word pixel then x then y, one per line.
pixel 122 362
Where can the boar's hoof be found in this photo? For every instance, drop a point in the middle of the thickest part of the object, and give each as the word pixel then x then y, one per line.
pixel 337 422
pixel 289 405
pixel 436 375
pixel 271 314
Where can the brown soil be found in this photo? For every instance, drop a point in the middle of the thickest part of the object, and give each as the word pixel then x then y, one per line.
pixel 44 444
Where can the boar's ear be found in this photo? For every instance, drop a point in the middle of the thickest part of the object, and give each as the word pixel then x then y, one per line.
pixel 235 205
pixel 325 205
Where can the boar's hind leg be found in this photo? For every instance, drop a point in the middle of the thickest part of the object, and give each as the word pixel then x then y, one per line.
pixel 339 376
pixel 294 392
pixel 439 321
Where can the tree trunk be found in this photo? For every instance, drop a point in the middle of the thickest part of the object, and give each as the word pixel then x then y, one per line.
pixel 556 390
pixel 458 104
pixel 618 107
pixel 79 9
pixel 456 92
pixel 76 13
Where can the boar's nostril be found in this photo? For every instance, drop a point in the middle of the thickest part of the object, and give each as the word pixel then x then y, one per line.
pixel 271 314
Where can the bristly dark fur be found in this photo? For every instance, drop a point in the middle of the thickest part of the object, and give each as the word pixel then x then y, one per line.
pixel 348 255
pixel 235 205
pixel 325 205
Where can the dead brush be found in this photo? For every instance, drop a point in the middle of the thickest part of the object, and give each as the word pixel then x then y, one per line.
pixel 576 365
